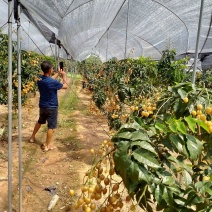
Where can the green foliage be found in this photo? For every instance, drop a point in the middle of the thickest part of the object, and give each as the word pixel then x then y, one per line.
pixel 172 71
pixel 30 67
pixel 163 159
pixel 168 158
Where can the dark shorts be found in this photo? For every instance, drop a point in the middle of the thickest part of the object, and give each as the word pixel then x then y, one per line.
pixel 49 115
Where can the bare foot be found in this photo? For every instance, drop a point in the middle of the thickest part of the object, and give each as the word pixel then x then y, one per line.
pixel 47 148
pixel 31 140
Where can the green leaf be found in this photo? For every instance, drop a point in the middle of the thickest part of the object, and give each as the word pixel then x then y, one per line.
pixel 168 180
pixel 146 157
pixel 177 142
pixel 158 193
pixel 124 135
pixel 181 126
pixel 139 136
pixel 161 127
pixel 187 178
pixel 122 160
pixel 145 145
pixel 204 187
pixel 134 126
pixel 191 123
pixel 173 126
pixel 168 196
pixel 202 124
pixel 138 173
pixel 194 147
pixel 182 93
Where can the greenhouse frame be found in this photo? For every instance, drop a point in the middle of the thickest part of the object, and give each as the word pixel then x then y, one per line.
pixel 108 29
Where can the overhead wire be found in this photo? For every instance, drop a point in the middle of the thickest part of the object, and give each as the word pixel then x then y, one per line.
pixel 33 42
pixel 1 27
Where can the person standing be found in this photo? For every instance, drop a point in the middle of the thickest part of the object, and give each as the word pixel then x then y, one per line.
pixel 48 102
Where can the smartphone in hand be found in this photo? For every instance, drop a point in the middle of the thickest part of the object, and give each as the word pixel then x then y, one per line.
pixel 61 65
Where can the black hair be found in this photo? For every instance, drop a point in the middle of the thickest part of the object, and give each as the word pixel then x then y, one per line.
pixel 46 66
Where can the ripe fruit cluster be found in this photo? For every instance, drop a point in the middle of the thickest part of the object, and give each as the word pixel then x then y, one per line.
pixel 27 87
pixel 148 109
pixel 102 189
pixel 198 113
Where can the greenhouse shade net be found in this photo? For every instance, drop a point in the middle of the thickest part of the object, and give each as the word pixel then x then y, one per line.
pixel 125 28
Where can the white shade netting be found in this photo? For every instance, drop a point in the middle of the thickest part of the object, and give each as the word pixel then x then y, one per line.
pixel 123 28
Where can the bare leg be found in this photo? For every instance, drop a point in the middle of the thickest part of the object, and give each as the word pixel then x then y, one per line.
pixel 49 135
pixel 36 128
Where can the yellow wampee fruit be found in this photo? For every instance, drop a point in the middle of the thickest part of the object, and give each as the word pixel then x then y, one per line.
pixel 199 107
pixel 208 110
pixel 199 112
pixel 206 178
pixel 71 192
pixel 185 100
pixel 193 112
pixel 203 117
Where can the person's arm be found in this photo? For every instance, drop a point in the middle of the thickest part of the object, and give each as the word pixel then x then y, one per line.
pixel 55 75
pixel 64 80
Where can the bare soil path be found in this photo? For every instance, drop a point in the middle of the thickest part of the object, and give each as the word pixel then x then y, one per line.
pixel 63 168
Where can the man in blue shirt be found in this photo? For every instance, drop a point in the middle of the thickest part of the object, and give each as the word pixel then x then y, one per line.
pixel 48 103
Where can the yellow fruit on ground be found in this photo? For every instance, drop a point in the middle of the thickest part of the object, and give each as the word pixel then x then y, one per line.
pixel 185 100
pixel 71 192
pixel 199 107
pixel 92 151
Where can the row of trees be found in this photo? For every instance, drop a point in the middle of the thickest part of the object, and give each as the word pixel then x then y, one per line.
pixel 162 124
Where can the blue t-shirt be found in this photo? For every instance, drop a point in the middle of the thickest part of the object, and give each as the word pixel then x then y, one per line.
pixel 48 88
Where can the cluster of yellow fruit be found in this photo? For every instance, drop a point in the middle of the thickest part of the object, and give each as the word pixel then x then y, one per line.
pixel 102 190
pixel 200 115
pixel 93 109
pixel 34 62
pixel 148 109
pixel 27 87
pixel 113 106
pixel 15 82
pixel 130 71
pixel 126 80
pixel 133 108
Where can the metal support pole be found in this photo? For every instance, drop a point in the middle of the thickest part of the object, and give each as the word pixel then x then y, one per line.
pixel 19 105
pixel 56 65
pixel 197 43
pixel 10 11
pixel 128 7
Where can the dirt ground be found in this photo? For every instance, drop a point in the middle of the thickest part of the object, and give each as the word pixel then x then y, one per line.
pixel 63 168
